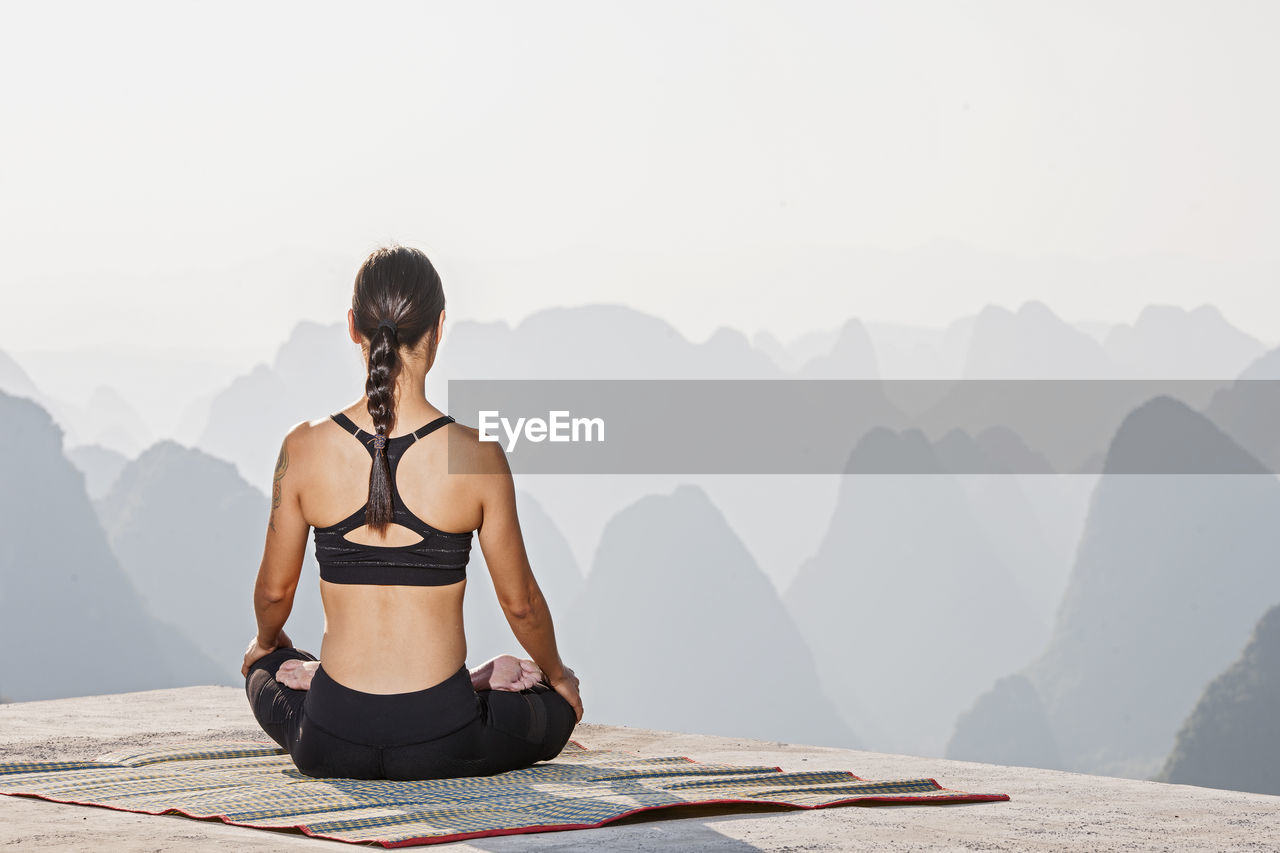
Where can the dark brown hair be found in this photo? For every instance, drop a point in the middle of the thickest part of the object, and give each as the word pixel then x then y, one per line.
pixel 395 285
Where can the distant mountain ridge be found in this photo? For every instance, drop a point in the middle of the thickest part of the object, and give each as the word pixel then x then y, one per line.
pixel 1231 739
pixel 71 621
pixel 189 531
pixel 100 466
pixel 908 598
pixel 106 418
pixel 1007 725
pixel 317 369
pixel 1170 342
pixel 1170 574
pixel 677 628
pixel 1033 343
pixel 14 381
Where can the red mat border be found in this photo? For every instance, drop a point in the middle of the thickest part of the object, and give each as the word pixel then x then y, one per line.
pixel 424 841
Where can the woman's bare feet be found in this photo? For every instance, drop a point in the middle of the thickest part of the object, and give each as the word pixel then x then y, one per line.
pixel 297 673
pixel 506 672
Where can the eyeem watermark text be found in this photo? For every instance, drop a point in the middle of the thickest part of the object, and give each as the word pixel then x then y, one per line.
pixel 557 427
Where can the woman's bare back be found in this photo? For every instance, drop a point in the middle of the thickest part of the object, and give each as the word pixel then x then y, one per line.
pixel 387 639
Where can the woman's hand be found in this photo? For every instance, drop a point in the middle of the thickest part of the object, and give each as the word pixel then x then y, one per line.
pixel 567 686
pixel 257 651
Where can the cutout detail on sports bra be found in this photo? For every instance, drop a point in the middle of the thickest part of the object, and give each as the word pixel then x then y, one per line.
pixel 396 536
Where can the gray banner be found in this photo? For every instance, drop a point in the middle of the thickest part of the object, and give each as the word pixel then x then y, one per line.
pixel 664 426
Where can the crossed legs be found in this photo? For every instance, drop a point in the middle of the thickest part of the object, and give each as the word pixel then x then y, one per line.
pixel 523 720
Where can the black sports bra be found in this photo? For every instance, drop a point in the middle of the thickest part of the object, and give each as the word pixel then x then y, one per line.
pixel 439 559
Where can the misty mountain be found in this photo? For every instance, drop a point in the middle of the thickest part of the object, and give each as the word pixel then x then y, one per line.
pixel 1007 725
pixel 1168 342
pixel 14 380
pixel 1040 427
pixel 71 621
pixel 107 418
pixel 757 506
pixel 557 572
pixel 1033 343
pixel 792 355
pixel 1170 573
pixel 957 340
pixel 110 420
pixel 911 352
pixel 189 532
pixel 1026 511
pixel 1096 330
pixel 1232 737
pixel 192 419
pixel 907 599
pixel 317 371
pixel 100 466
pixel 1165 342
pixel 852 356
pixel 1248 410
pixel 677 628
pixel 994 450
pixel 1265 366
pixel 17 382
pixel 1033 523
pixel 595 342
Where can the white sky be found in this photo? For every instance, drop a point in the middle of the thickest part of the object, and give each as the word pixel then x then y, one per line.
pixel 205 176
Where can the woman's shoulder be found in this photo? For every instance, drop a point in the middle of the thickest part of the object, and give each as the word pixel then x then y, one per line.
pixel 470 454
pixel 306 437
pixel 305 430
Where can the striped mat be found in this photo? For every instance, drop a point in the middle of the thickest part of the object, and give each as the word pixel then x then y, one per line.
pixel 248 783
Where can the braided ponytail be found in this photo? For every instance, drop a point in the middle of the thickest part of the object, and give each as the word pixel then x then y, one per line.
pixel 379 388
pixel 398 299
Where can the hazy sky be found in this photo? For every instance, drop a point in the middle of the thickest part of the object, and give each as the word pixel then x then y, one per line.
pixel 205 176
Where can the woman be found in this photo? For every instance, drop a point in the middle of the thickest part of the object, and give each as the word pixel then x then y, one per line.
pixel 394 489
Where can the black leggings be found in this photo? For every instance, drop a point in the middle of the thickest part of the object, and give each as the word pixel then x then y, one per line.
pixel 444 731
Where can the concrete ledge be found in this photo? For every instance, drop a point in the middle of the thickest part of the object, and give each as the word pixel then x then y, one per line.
pixel 1049 810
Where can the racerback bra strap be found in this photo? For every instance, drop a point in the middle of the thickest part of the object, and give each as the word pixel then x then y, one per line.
pixel 367 438
pixel 422 431
pixel 346 423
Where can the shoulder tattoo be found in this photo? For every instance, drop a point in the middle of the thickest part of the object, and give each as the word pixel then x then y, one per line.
pixel 282 464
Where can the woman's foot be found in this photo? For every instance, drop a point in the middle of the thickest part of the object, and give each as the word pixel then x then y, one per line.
pixel 506 672
pixel 297 673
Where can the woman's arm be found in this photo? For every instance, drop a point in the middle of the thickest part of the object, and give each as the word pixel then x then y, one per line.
pixel 282 555
pixel 517 590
